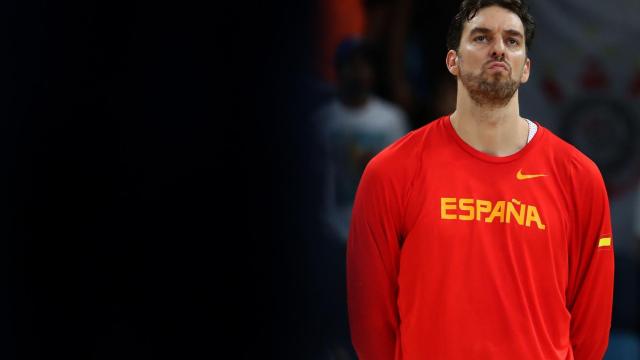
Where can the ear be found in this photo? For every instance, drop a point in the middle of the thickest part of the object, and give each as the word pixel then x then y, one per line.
pixel 452 62
pixel 526 71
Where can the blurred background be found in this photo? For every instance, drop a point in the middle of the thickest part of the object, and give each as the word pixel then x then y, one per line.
pixel 146 156
pixel 378 72
pixel 178 179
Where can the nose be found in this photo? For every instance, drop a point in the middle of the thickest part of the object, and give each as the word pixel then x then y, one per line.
pixel 498 50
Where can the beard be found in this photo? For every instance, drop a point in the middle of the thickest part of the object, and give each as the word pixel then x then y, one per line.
pixel 489 90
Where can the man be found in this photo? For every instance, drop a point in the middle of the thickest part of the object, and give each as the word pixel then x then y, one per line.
pixel 481 235
pixel 354 126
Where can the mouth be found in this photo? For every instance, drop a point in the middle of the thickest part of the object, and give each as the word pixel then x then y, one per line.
pixel 498 65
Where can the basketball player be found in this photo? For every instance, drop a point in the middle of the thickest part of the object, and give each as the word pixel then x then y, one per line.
pixel 481 235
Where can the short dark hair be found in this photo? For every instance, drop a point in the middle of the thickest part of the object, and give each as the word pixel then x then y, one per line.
pixel 469 9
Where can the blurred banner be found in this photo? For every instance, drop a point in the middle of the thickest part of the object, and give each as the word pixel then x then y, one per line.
pixel 585 87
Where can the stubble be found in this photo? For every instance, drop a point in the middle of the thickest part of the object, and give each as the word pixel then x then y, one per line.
pixel 488 90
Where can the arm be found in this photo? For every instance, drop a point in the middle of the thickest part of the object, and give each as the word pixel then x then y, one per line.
pixel 590 290
pixel 372 266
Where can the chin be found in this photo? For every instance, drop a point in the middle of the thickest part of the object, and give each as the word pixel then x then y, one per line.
pixel 498 78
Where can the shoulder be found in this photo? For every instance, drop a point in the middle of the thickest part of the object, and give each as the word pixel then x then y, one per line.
pixel 387 107
pixel 579 167
pixel 402 158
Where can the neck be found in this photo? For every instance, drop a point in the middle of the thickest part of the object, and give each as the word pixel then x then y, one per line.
pixel 497 131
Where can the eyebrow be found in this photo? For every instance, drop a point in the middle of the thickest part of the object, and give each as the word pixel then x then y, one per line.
pixel 481 30
pixel 514 33
pixel 484 30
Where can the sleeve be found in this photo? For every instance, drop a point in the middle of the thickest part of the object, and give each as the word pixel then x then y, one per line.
pixel 372 265
pixel 591 266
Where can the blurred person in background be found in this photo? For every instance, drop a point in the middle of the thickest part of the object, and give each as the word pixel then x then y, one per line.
pixel 353 127
pixel 482 234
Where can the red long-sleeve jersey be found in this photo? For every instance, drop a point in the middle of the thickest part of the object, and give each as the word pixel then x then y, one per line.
pixel 456 254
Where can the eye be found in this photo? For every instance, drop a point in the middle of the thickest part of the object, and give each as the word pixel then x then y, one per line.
pixel 513 42
pixel 480 38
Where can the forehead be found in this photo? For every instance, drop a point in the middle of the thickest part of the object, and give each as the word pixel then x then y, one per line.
pixel 496 19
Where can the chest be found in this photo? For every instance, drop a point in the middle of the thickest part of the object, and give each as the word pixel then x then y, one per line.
pixel 460 212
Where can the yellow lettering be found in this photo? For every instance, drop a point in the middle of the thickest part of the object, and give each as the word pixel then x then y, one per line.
pixel 447 204
pixel 498 212
pixel 482 206
pixel 519 216
pixel 466 209
pixel 533 216
pixel 466 205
